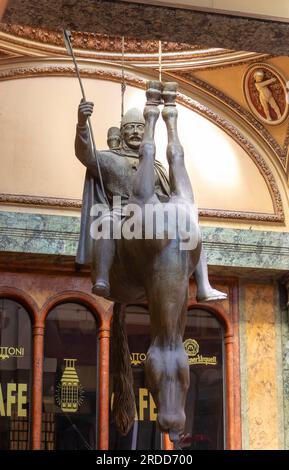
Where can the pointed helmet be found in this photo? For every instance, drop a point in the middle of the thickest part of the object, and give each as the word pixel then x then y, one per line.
pixel 133 115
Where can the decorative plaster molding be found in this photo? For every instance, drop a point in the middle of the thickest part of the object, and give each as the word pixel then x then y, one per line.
pixel 278 90
pixel 26 200
pixel 226 126
pixel 65 203
pixel 240 215
pixel 281 152
pixel 94 41
pixel 27 40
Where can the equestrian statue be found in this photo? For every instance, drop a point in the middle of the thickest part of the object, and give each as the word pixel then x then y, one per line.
pixel 139 269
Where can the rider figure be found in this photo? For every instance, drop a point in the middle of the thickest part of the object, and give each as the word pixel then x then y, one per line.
pixel 118 165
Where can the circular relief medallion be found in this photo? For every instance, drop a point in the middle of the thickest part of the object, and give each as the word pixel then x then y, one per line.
pixel 266 94
pixel 191 347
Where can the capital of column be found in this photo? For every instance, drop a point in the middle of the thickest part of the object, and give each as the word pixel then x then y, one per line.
pixel 38 330
pixel 104 332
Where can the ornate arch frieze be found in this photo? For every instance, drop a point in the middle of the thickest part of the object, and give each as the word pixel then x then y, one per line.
pixel 31 41
pixel 281 152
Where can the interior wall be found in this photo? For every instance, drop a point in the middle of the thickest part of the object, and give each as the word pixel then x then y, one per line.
pixel 261 367
pixel 38 118
pixel 230 82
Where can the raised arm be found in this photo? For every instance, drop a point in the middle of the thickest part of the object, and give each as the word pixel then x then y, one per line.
pixel 267 82
pixel 83 147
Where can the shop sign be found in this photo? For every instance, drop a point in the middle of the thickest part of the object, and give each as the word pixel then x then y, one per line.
pixel 10 351
pixel 146 406
pixel 15 399
pixel 192 349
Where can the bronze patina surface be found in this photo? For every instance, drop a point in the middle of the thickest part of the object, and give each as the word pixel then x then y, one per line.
pixel 135 270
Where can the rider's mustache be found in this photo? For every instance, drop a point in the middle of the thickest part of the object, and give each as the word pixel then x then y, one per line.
pixel 135 137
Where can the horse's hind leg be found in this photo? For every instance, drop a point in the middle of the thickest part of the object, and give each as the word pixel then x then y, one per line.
pixel 179 180
pixel 144 179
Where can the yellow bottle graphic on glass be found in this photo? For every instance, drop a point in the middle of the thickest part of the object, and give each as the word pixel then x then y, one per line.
pixel 70 390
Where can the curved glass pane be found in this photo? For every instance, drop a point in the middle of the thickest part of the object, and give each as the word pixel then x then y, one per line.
pixel 69 382
pixel 15 376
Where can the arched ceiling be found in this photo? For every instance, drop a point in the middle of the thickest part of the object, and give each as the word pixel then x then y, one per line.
pixel 30 51
pixel 17 40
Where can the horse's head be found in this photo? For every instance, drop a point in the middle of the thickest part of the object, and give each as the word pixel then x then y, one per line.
pixel 168 380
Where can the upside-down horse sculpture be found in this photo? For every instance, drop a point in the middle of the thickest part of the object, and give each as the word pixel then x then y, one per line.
pixel 133 270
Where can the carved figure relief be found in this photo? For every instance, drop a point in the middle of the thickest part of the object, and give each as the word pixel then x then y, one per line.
pixel 265 93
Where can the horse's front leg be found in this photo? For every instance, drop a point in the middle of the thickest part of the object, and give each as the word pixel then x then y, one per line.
pixel 144 178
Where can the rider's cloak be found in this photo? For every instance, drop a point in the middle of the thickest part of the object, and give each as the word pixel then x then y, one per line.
pixel 92 194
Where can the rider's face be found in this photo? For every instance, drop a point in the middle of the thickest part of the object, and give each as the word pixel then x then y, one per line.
pixel 132 135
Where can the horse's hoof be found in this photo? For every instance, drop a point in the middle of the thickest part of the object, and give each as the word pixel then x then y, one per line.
pixel 101 288
pixel 154 93
pixel 169 93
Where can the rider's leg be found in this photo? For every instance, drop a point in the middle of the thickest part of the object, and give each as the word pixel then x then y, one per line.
pixel 102 258
pixel 144 178
pixel 205 291
pixel 181 186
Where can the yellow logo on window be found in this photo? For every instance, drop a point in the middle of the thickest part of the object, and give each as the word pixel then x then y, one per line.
pixel 69 392
pixel 192 349
pixel 10 351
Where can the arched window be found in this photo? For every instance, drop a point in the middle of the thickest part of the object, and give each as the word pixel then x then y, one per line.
pixel 203 341
pixel 15 376
pixel 69 418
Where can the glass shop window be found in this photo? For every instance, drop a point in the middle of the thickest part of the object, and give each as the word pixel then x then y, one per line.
pixel 69 419
pixel 203 341
pixel 144 433
pixel 15 375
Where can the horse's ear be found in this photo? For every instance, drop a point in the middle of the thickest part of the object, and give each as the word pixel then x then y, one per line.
pixel 124 402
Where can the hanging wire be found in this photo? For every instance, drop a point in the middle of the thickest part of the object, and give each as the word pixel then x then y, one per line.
pixel 123 84
pixel 160 61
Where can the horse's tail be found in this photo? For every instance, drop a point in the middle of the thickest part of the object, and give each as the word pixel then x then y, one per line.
pixel 124 401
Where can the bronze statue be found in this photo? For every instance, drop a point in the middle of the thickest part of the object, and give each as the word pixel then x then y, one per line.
pixel 139 269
